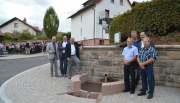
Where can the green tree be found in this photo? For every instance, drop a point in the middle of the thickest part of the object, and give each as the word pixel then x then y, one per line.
pixel 68 34
pixel 59 37
pixel 50 22
pixel 8 37
pixel 41 37
pixel 26 35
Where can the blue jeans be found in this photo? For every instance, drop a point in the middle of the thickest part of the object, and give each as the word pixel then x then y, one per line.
pixel 63 59
pixel 147 73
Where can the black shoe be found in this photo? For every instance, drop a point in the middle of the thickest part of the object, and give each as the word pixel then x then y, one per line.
pixel 150 96
pixel 131 92
pixel 126 90
pixel 140 94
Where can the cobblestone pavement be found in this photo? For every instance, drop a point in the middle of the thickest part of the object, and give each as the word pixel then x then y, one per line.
pixel 36 86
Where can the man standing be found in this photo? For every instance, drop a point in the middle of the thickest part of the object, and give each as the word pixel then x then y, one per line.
pixel 146 59
pixel 141 45
pixel 27 48
pixel 72 52
pixel 53 55
pixel 62 56
pixel 129 56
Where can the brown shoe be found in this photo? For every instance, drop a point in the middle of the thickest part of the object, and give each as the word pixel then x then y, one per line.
pixel 51 75
pixel 56 75
pixel 78 73
pixel 69 77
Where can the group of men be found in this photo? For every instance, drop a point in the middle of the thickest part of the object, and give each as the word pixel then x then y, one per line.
pixel 67 52
pixel 139 55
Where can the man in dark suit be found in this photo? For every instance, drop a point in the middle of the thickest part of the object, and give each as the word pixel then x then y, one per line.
pixel 72 54
pixel 62 56
pixel 141 45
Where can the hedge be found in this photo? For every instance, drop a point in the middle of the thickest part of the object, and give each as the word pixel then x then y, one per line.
pixel 153 17
pixel 41 37
pixel 8 37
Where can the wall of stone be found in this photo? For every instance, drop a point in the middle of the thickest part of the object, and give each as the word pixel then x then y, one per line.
pixel 99 60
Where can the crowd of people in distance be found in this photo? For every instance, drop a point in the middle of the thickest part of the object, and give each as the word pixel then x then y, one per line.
pixel 28 47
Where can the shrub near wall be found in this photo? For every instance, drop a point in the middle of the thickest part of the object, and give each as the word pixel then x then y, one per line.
pixel 155 17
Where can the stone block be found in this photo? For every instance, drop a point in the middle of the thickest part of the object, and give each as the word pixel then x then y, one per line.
pixel 94 64
pixel 162 58
pixel 117 63
pixel 171 78
pixel 105 63
pixel 176 72
pixel 174 55
pixel 90 58
pixel 169 84
pixel 164 63
pixel 160 83
pixel 177 79
pixel 162 77
pixel 177 65
pixel 110 54
pixel 168 71
pixel 161 53
pixel 83 58
pixel 176 85
pixel 116 54
pixel 85 63
pixel 87 53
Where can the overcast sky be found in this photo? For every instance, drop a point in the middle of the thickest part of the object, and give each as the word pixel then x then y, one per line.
pixel 34 11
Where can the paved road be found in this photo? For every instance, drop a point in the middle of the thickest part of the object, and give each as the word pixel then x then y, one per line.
pixel 10 68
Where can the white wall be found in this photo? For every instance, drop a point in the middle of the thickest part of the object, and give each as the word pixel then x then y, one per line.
pixel 86 25
pixel 10 27
pixel 114 9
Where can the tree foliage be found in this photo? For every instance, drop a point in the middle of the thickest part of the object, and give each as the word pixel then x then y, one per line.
pixel 59 37
pixel 26 35
pixel 68 34
pixel 153 17
pixel 8 37
pixel 41 37
pixel 50 22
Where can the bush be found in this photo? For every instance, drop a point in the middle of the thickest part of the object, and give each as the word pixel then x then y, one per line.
pixel 8 37
pixel 154 17
pixel 41 37
pixel 59 37
pixel 26 35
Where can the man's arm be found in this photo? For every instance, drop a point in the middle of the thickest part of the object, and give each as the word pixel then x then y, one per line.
pixel 123 45
pixel 48 49
pixel 152 44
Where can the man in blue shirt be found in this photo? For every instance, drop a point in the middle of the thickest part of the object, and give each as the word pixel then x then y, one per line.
pixel 146 60
pixel 129 54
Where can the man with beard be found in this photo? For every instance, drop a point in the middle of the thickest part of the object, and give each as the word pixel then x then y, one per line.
pixel 129 54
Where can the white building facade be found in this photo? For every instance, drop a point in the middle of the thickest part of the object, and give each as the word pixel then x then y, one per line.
pixel 82 22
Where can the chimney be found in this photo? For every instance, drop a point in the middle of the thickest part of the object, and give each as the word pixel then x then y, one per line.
pixel 24 20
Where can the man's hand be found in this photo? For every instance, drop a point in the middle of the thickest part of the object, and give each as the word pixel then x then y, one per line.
pixel 68 59
pixel 142 66
pixel 117 45
pixel 127 63
pixel 81 48
pixel 53 51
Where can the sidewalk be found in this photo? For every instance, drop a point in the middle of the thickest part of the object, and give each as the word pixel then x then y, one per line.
pixel 37 86
pixel 20 56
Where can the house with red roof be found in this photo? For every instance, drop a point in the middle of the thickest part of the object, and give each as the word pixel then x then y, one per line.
pixel 86 23
pixel 19 25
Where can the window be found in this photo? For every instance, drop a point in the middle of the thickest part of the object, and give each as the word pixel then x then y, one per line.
pixel 107 13
pixel 81 31
pixel 81 18
pixel 112 1
pixel 107 30
pixel 16 25
pixel 121 2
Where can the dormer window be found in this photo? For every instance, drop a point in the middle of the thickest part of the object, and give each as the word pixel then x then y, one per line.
pixel 121 2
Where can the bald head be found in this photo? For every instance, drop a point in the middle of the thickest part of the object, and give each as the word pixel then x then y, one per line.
pixel 142 35
pixel 72 40
pixel 65 38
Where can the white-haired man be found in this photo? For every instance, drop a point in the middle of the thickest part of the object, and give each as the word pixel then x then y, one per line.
pixel 129 54
pixel 146 59
pixel 53 55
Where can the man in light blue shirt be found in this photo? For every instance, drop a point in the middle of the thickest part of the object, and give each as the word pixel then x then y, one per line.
pixel 129 54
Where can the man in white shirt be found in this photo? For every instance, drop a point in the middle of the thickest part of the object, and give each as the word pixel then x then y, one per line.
pixel 63 57
pixel 72 52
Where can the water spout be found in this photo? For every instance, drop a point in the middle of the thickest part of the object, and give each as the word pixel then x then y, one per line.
pixel 88 95
pixel 105 78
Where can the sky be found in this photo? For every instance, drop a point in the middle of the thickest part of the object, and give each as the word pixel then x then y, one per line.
pixel 34 11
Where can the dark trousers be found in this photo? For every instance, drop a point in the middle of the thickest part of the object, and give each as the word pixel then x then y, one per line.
pixel 147 73
pixel 138 73
pixel 63 59
pixel 129 70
